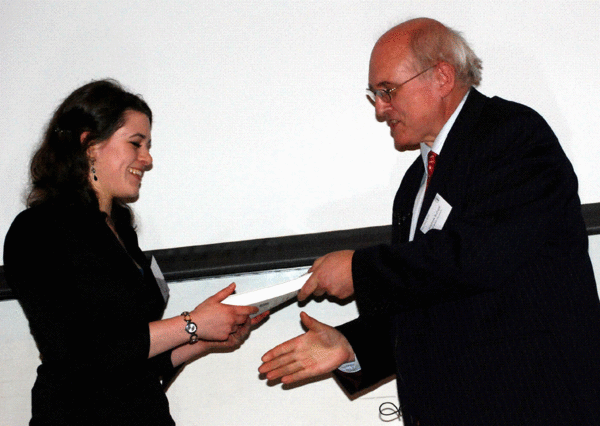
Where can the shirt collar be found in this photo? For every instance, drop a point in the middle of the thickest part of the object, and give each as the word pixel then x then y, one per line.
pixel 440 139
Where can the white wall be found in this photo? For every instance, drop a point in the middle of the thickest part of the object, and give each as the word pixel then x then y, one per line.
pixel 261 124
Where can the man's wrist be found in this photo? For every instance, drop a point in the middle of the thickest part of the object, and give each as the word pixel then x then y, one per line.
pixel 350 367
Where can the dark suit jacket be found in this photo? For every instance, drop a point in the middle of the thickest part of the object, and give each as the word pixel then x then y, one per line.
pixel 495 318
pixel 88 308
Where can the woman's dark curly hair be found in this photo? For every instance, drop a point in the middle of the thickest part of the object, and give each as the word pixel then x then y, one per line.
pixel 60 167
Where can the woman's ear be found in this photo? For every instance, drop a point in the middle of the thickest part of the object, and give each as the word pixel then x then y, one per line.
pixel 92 148
pixel 91 152
pixel 83 137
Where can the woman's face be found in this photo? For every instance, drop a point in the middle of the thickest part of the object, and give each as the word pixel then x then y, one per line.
pixel 121 161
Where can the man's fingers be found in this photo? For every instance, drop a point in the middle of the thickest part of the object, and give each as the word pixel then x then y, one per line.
pixel 297 376
pixel 308 288
pixel 310 323
pixel 280 366
pixel 316 263
pixel 278 351
pixel 307 320
pixel 285 372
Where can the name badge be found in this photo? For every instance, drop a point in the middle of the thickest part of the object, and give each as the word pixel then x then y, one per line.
pixel 160 279
pixel 437 214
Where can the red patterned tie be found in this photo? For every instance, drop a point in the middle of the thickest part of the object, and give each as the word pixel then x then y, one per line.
pixel 431 157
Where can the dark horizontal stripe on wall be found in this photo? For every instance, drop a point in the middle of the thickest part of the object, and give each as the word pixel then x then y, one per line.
pixel 591 214
pixel 265 254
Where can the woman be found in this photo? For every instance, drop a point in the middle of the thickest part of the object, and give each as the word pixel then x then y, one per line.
pixel 72 258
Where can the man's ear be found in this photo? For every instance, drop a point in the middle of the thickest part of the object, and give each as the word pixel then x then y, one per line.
pixel 445 75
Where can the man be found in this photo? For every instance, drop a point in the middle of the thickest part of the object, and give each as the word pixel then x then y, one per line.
pixel 484 304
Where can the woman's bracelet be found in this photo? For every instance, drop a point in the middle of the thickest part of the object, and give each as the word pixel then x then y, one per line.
pixel 190 327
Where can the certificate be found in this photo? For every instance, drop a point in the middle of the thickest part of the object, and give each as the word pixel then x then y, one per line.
pixel 269 297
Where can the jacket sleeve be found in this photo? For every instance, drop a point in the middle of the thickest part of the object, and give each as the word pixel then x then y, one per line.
pixel 370 340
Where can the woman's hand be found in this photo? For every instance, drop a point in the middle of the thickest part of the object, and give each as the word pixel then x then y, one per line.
pixel 238 337
pixel 217 321
pixel 218 326
pixel 187 352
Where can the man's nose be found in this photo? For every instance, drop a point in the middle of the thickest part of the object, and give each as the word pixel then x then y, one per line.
pixel 381 109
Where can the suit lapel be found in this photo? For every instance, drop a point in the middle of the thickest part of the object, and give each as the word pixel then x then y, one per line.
pixel 450 157
pixel 404 201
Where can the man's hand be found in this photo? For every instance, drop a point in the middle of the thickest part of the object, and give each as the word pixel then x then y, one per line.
pixel 331 274
pixel 320 350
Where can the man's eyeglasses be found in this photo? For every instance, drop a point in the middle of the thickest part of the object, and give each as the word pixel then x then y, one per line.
pixel 386 94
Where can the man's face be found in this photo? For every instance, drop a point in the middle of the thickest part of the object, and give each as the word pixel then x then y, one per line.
pixel 414 111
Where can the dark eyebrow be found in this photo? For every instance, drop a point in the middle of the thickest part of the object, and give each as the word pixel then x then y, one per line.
pixel 385 84
pixel 142 136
